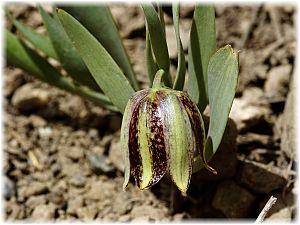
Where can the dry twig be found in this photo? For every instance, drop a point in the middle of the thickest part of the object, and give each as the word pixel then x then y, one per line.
pixel 266 209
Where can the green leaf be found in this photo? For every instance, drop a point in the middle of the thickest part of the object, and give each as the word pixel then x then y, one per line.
pixel 180 74
pixel 21 56
pixel 38 40
pixel 67 54
pixel 201 47
pixel 158 41
pixel 222 82
pixel 161 17
pixel 104 69
pixel 152 67
pixel 100 23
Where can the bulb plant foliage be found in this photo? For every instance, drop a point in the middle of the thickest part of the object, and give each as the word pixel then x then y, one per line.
pixel 162 128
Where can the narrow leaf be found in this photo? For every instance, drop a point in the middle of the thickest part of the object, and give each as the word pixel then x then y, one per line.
pixel 39 41
pixel 158 41
pixel 152 67
pixel 161 17
pixel 104 69
pixel 100 23
pixel 222 83
pixel 67 54
pixel 180 74
pixel 201 47
pixel 21 56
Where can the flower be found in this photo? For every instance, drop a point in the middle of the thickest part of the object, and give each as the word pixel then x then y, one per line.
pixel 161 131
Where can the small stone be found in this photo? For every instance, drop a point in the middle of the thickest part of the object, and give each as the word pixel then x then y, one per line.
pixel 35 201
pixel 44 212
pixel 74 204
pixel 283 216
pixel 78 181
pixel 288 125
pixel 115 154
pixel 99 165
pixel 278 81
pixel 246 114
pixel 14 78
pixel 30 97
pixel 124 218
pixel 75 153
pixel 37 121
pixel 36 188
pixel 259 177
pixel 233 200
pixel 9 188
pixel 87 213
pixel 149 212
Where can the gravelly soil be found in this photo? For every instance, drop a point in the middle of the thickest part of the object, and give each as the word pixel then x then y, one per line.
pixel 62 153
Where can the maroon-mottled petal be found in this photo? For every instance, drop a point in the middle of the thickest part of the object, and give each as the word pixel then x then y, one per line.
pixel 196 122
pixel 157 139
pixel 134 155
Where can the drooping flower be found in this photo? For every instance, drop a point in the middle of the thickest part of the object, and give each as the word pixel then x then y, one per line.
pixel 161 131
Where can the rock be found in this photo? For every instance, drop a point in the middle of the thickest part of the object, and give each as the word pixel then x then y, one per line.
pixel 57 197
pixel 99 165
pixel 259 177
pixel 74 204
pixel 75 153
pixel 283 216
pixel 246 113
pixel 187 10
pixel 36 188
pixel 87 213
pixel 43 212
pixel 30 97
pixel 151 212
pixel 288 125
pixel 78 180
pixel 115 155
pixel 9 188
pixel 35 201
pixel 37 121
pixel 100 190
pixel 13 79
pixel 233 200
pixel 277 82
pixel 224 161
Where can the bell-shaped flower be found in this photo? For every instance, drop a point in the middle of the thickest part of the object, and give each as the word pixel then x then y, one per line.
pixel 162 130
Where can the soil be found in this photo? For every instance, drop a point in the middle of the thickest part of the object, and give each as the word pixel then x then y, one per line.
pixel 62 153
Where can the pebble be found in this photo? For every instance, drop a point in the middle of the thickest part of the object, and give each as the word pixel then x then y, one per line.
pixel 259 177
pixel 282 216
pixel 75 153
pixel 29 97
pixel 12 81
pixel 288 125
pixel 277 82
pixel 36 188
pixel 9 188
pixel 99 165
pixel 233 200
pixel 87 213
pixel 78 181
pixel 115 155
pixel 74 204
pixel 44 212
pixel 34 201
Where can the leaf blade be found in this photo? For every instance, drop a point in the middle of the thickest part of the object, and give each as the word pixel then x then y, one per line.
pixel 222 83
pixel 180 73
pixel 67 54
pixel 201 47
pixel 100 23
pixel 101 65
pixel 19 55
pixel 158 41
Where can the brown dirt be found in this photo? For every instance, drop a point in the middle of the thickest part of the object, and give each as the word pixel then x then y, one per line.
pixel 62 153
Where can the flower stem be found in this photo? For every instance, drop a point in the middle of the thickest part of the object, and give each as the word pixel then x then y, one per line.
pixel 158 79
